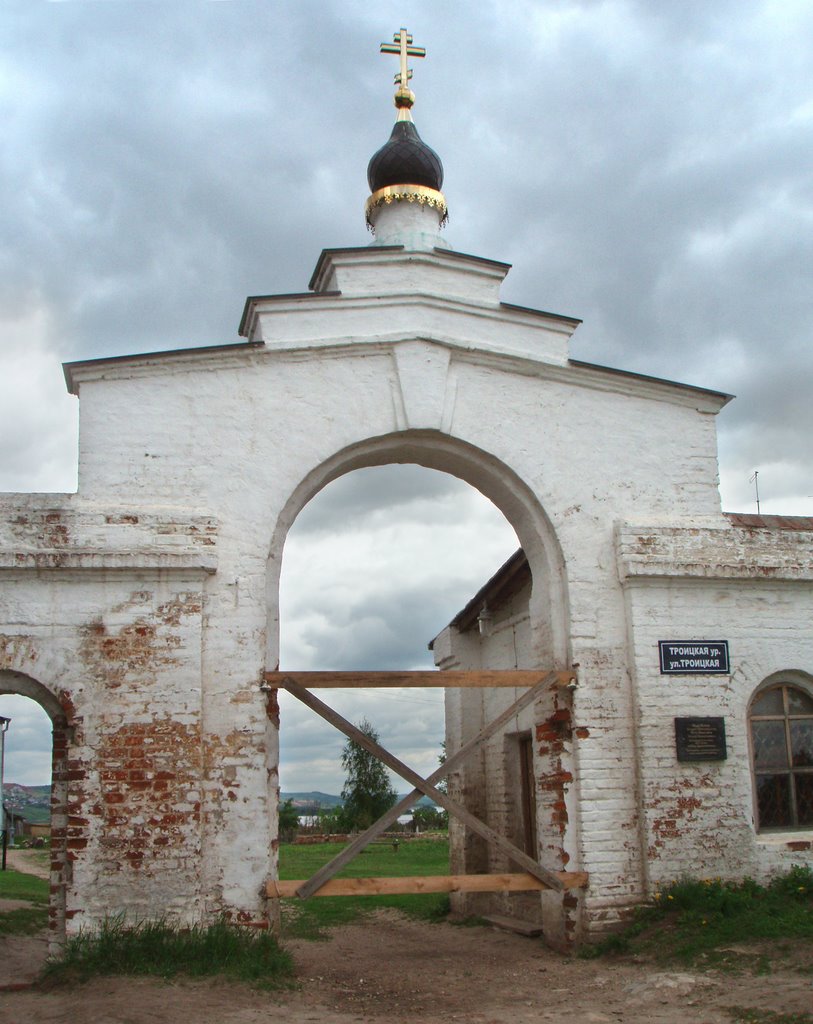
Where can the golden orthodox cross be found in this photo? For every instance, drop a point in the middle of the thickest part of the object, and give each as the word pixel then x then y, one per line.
pixel 402 45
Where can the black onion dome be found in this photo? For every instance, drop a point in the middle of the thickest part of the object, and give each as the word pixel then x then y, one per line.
pixel 405 160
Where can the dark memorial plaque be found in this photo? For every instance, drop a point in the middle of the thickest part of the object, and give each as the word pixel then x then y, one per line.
pixel 700 739
pixel 693 657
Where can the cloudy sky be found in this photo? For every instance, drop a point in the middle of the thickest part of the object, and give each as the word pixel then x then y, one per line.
pixel 643 164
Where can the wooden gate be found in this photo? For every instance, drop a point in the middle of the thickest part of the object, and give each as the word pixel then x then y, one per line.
pixel 323 882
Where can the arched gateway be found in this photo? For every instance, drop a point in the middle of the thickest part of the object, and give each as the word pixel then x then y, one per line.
pixel 147 602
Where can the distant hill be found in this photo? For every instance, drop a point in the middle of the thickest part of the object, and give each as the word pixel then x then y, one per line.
pixel 33 802
pixel 423 802
pixel 315 800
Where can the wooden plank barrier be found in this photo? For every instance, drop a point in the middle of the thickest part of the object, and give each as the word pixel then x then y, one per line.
pixel 519 857
pixel 454 679
pixel 323 882
pixel 509 882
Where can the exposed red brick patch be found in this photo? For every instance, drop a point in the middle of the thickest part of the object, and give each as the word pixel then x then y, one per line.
pixel 16 650
pixel 146 772
pixel 678 802
pixel 66 703
pixel 133 652
pixel 272 706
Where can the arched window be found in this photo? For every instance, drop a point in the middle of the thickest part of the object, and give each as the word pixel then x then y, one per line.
pixel 781 720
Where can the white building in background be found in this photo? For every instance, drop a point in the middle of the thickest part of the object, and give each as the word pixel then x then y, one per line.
pixel 142 611
pixel 686 747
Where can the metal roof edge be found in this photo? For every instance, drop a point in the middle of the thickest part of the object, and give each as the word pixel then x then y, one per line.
pixel 455 254
pixel 325 255
pixel 753 521
pixel 491 588
pixel 726 398
pixel 280 297
pixel 137 357
pixel 542 312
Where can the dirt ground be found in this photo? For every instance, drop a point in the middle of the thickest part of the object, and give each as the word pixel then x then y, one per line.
pixel 395 969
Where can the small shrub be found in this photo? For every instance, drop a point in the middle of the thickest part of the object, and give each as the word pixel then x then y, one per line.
pixel 156 948
pixel 690 920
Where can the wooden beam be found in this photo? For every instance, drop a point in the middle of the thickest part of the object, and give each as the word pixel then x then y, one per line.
pixel 334 866
pixel 520 882
pixel 519 857
pixel 363 680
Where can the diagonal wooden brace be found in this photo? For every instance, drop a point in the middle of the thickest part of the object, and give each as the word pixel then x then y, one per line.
pixel 333 866
pixel 357 736
pixel 327 871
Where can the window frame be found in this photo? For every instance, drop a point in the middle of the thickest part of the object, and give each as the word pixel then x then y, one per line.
pixel 782 682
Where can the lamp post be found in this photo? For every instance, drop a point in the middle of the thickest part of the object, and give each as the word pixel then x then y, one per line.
pixel 4 724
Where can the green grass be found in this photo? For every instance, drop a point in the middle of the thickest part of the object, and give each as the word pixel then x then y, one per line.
pixel 697 922
pixel 23 920
pixel 743 1015
pixel 157 949
pixel 14 885
pixel 311 919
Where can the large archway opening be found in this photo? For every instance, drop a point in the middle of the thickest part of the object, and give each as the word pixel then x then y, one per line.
pixel 374 567
pixel 35 777
pixel 546 607
pixel 486 474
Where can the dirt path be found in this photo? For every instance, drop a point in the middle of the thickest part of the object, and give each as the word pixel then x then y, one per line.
pixel 394 969
pixel 27 861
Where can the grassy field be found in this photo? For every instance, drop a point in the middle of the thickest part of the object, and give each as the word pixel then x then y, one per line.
pixel 23 920
pixel 311 918
pixel 707 922
pixel 702 923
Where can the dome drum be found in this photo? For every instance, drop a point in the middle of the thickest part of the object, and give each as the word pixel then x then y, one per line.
pixel 419 194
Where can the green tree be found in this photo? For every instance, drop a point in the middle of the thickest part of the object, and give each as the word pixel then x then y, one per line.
pixel 288 820
pixel 442 785
pixel 424 818
pixel 367 791
pixel 331 820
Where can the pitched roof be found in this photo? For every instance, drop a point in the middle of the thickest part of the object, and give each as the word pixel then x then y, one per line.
pixel 753 522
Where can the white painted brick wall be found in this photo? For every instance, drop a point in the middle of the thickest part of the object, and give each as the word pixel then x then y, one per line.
pixel 213 455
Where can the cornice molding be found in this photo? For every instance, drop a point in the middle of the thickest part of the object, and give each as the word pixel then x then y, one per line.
pixel 573 373
pixel 710 552
pixel 38 533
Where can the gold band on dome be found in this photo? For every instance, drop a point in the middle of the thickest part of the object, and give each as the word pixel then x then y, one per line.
pixel 407 194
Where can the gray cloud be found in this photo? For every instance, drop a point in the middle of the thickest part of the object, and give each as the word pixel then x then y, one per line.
pixel 27 741
pixel 644 167
pixel 409 722
pixel 406 549
pixel 374 567
pixel 360 496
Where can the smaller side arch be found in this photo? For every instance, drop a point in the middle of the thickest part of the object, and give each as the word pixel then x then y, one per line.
pixel 26 686
pixel 12 682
